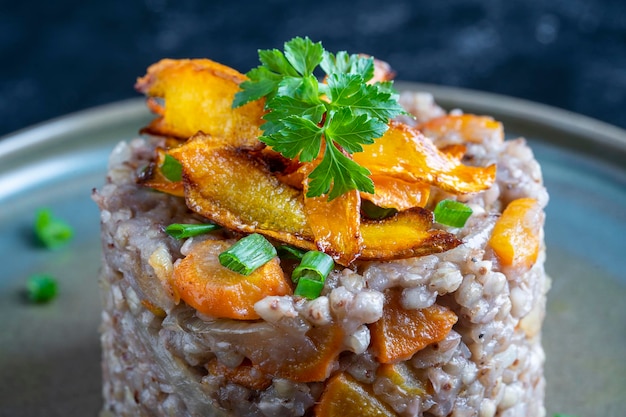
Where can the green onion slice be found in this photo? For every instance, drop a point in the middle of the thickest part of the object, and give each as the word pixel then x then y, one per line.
pixel 41 288
pixel 314 264
pixel 181 230
pixel 452 213
pixel 172 169
pixel 51 231
pixel 248 254
pixel 310 288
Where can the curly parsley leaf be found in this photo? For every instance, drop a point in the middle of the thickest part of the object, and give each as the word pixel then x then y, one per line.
pixel 335 116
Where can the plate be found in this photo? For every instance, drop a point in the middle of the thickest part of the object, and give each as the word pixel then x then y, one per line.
pixel 50 355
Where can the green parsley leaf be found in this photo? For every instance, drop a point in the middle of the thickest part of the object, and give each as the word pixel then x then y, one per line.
pixel 306 116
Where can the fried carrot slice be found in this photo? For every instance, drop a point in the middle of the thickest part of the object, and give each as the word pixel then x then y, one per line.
pixel 401 333
pixel 466 127
pixel 396 193
pixel 344 396
pixel 232 188
pixel 153 177
pixel 237 191
pixel 203 283
pixel 404 152
pixel 198 95
pixel 516 236
pixel 335 224
pixel 405 235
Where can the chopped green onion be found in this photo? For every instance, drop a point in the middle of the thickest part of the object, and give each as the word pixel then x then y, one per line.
pixel 563 415
pixel 181 230
pixel 41 288
pixel 248 254
pixel 289 252
pixel 310 288
pixel 311 274
pixel 452 213
pixel 375 212
pixel 314 264
pixel 50 231
pixel 172 169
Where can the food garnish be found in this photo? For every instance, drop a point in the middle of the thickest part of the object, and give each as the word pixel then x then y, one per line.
pixel 248 254
pixel 51 231
pixel 318 164
pixel 41 288
pixel 172 169
pixel 311 274
pixel 452 213
pixel 307 118
pixel 182 230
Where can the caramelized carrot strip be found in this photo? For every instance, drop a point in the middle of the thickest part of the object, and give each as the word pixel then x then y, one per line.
pixel 516 235
pixel 405 235
pixel 404 152
pixel 467 127
pixel 396 193
pixel 153 177
pixel 198 95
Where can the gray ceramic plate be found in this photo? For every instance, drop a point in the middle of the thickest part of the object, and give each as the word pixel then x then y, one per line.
pixel 49 354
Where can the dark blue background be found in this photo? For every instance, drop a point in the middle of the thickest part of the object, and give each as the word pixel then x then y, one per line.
pixel 67 55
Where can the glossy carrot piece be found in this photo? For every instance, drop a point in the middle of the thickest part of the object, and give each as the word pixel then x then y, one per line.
pixel 401 333
pixel 405 235
pixel 198 96
pixel 516 235
pixel 344 396
pixel 404 152
pixel 396 193
pixel 216 291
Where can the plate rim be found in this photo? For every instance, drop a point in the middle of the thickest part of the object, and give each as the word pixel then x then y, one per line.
pixel 562 127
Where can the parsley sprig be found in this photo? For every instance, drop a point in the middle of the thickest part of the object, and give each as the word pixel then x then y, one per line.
pixel 334 117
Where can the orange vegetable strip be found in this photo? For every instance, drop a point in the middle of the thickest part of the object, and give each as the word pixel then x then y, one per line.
pixel 404 152
pixel 344 396
pixel 198 95
pixel 516 235
pixel 405 235
pixel 233 189
pixel 401 333
pixel 336 223
pixel 216 291
pixel 396 193
pixel 468 127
